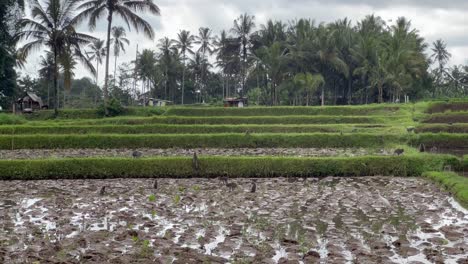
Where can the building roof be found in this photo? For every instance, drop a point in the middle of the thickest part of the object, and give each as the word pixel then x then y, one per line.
pixel 34 97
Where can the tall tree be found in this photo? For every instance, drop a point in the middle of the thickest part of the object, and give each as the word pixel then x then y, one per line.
pixel 10 12
pixel 204 39
pixel 53 26
pixel 118 41
pixel 243 27
pixel 125 9
pixel 184 43
pixel 97 53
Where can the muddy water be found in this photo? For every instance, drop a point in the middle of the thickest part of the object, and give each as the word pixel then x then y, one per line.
pixel 348 220
pixel 81 153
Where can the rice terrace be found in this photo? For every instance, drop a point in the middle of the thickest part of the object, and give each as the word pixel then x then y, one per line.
pixel 252 140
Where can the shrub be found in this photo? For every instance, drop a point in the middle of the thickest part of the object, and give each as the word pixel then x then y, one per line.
pixel 181 167
pixel 457 185
pixel 114 108
pixel 316 140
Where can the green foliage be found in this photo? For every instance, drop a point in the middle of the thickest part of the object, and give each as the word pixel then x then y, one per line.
pixel 114 108
pixel 457 185
pixel 103 141
pixel 211 167
pixel 152 198
pixel 9 119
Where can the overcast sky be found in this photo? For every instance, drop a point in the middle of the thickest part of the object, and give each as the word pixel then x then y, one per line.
pixel 433 18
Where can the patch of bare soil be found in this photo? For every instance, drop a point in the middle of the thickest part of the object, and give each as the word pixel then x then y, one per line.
pixel 332 220
pixel 82 153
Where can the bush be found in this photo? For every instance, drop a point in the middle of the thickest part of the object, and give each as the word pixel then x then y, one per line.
pixel 286 110
pixel 180 167
pixel 114 108
pixel 317 140
pixel 457 185
pixel 10 119
pixel 189 129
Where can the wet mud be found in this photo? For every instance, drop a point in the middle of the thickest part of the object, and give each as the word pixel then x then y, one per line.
pixel 82 153
pixel 331 220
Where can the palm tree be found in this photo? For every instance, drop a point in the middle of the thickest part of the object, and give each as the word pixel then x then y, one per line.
pixel 127 10
pixel 184 43
pixel 145 67
pixel 118 40
pixel 166 48
pixel 97 53
pixel 309 82
pixel 273 60
pixel 326 54
pixel 204 39
pixel 440 55
pixel 52 26
pixel 243 27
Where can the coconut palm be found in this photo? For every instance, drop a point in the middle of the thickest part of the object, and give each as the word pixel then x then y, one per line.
pixel 440 53
pixel 243 27
pixel 53 26
pixel 184 43
pixel 97 52
pixel 118 40
pixel 309 83
pixel 204 39
pixel 125 9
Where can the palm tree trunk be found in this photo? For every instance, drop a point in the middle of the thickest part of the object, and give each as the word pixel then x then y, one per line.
pixel 183 81
pixel 115 71
pixel 323 95
pixel 106 81
pixel 55 83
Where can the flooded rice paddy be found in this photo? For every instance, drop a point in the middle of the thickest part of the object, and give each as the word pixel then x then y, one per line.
pixel 332 220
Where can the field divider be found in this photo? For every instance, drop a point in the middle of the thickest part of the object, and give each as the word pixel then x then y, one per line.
pixel 226 140
pixel 215 166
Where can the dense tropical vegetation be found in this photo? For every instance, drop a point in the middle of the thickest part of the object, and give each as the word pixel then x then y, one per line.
pixel 296 63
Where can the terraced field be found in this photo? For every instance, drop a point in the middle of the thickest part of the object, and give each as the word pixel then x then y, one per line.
pixel 90 194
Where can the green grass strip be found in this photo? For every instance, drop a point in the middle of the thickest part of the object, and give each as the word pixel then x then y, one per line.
pixel 457 185
pixel 316 140
pixel 194 129
pixel 442 128
pixel 448 117
pixel 210 167
pixel 288 110
pixel 441 140
pixel 235 120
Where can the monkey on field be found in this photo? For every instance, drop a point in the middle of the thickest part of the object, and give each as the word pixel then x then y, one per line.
pixel 254 187
pixel 398 151
pixel 155 184
pixel 422 148
pixel 195 163
pixel 230 185
pixel 137 154
pixel 102 191
pixel 434 149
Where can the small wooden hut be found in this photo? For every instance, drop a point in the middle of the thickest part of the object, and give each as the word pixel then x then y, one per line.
pixel 30 102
